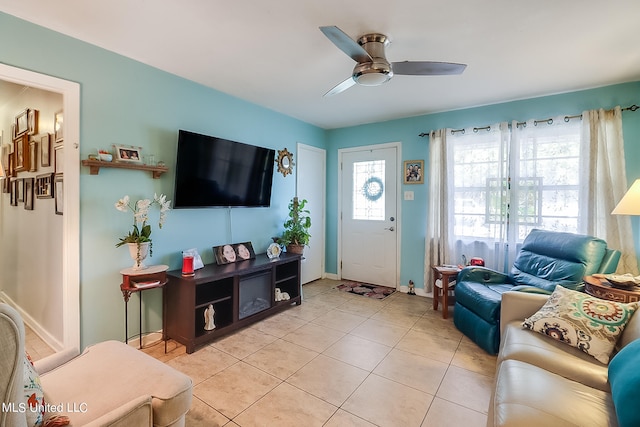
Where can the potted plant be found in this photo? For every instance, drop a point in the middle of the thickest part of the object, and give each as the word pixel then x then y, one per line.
pixel 296 227
pixel 139 239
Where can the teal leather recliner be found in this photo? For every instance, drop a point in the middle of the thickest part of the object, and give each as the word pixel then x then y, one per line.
pixel 547 259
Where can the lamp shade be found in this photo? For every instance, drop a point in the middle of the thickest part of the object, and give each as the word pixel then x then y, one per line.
pixel 630 203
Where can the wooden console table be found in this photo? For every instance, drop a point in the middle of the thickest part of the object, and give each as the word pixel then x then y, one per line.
pixel 153 277
pixel 240 294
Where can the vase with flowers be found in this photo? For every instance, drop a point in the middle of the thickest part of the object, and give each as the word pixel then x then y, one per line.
pixel 139 238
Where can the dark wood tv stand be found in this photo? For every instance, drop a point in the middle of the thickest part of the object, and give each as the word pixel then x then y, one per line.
pixel 241 293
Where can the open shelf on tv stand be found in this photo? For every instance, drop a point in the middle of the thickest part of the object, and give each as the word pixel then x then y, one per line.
pixel 241 293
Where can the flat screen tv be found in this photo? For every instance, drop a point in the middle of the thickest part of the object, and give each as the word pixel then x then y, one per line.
pixel 216 172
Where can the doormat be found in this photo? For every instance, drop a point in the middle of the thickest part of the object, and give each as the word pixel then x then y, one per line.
pixel 366 289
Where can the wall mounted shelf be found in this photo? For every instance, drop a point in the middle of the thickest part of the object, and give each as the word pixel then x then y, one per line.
pixel 95 165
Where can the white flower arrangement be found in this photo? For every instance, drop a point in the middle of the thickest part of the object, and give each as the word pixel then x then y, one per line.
pixel 141 232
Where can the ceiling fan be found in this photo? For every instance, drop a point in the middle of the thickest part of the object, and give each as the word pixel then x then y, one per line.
pixel 372 68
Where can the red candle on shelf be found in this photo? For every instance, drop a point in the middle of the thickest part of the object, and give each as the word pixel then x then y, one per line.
pixel 187 265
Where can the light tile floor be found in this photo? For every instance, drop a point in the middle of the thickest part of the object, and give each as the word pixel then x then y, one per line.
pixel 35 346
pixel 340 360
pixel 337 360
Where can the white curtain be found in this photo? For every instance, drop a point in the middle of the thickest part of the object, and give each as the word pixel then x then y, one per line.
pixel 546 173
pixel 436 242
pixel 604 168
pixel 488 187
pixel 479 185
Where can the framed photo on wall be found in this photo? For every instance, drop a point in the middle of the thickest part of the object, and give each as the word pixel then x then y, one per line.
pixel 21 153
pixel 33 155
pixel 14 192
pixel 413 172
pixel 58 126
pixel 59 194
pixel 45 150
pixel 44 186
pixel 28 194
pixel 58 159
pixel 32 122
pixel 19 190
pixel 22 123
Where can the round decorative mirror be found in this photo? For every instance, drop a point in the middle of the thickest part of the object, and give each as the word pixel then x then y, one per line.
pixel 285 162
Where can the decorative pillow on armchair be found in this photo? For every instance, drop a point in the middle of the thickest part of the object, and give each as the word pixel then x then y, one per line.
pixel 591 324
pixel 33 394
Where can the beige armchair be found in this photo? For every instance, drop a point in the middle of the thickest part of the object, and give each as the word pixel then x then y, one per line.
pixel 110 383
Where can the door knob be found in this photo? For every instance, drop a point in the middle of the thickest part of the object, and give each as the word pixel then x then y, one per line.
pixel 390 228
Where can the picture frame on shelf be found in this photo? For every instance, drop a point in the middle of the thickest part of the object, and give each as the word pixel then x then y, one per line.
pixel 244 251
pixel 58 126
pixel 413 172
pixel 44 186
pixel 22 123
pixel 58 192
pixel 58 159
pixel 224 254
pixel 21 153
pixel 45 150
pixel 28 194
pixel 128 154
pixel 32 122
pixel 233 252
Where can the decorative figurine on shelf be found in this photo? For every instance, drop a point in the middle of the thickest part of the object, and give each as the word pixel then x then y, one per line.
pixel 273 251
pixel 282 296
pixel 209 325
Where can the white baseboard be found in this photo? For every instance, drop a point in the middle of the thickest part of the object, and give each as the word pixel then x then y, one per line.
pixel 36 327
pixel 418 291
pixel 331 276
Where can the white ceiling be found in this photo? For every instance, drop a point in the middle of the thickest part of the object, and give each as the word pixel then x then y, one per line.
pixel 272 53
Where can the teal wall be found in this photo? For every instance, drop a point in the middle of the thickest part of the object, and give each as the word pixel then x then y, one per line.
pixel 126 102
pixel 407 130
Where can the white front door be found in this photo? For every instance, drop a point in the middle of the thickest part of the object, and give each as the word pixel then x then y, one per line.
pixel 369 215
pixel 311 178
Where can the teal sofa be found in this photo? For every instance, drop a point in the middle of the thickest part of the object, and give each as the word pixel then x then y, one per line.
pixel 546 259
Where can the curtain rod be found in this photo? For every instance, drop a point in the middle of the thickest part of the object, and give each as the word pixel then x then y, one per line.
pixel 633 107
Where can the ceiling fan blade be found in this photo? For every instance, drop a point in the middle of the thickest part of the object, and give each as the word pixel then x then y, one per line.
pixel 341 87
pixel 427 68
pixel 346 44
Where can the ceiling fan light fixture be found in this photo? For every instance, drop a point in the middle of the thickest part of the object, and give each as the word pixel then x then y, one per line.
pixel 372 67
pixel 372 73
pixel 372 78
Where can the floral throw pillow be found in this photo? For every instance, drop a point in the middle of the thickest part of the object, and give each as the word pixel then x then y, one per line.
pixel 591 324
pixel 33 394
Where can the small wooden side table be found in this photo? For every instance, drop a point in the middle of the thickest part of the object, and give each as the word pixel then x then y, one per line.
pixel 446 274
pixel 599 287
pixel 155 276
